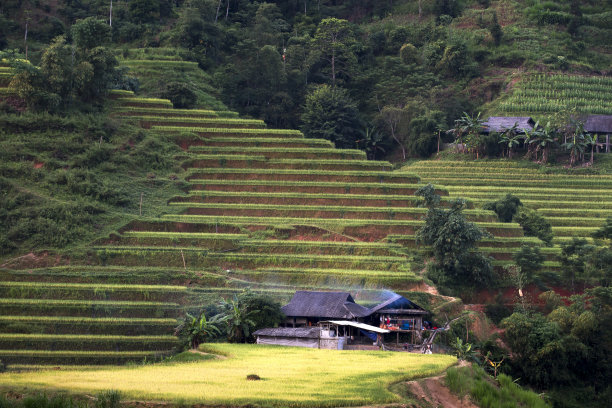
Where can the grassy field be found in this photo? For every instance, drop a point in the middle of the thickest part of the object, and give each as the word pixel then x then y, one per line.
pixel 290 377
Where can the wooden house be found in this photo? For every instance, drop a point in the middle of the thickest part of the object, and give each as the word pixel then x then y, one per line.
pixel 330 334
pixel 600 125
pixel 333 320
pixel 309 308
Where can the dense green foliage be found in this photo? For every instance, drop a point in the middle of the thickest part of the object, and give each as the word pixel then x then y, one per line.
pixel 567 347
pixel 59 177
pixel 489 393
pixel 452 239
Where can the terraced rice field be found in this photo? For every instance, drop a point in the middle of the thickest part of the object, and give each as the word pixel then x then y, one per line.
pixel 296 377
pixel 575 206
pixel 264 208
pixel 543 95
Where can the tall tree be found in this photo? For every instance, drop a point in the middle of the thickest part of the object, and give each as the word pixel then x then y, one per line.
pixel 330 114
pixel 333 40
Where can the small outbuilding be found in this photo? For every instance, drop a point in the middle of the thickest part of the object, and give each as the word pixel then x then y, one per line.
pixel 600 125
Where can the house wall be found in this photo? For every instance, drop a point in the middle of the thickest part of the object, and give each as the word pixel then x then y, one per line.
pixel 288 341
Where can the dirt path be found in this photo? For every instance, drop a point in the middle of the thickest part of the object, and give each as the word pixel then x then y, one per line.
pixel 432 392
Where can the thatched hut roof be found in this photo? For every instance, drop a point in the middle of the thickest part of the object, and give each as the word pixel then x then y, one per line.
pixel 500 124
pixel 329 305
pixel 599 124
pixel 298 332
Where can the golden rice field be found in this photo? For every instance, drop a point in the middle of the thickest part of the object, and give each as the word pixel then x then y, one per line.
pixel 290 377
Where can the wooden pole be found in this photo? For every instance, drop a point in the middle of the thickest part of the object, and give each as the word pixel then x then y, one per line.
pixel 184 263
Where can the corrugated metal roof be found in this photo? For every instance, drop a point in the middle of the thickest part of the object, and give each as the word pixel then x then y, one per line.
pixel 358 325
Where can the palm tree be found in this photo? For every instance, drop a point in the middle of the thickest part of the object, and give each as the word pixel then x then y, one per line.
pixel 543 138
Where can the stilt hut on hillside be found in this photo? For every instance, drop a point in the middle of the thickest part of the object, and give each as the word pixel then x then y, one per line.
pixel 333 320
pixel 600 125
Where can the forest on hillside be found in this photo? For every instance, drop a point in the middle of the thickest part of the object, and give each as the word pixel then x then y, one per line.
pixel 398 73
pixel 387 77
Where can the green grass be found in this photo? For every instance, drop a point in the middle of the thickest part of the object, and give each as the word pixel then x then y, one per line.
pixel 209 149
pixel 261 162
pixel 85 342
pixel 145 101
pixel 87 307
pixel 490 393
pixel 194 122
pixel 322 211
pixel 264 142
pixel 161 64
pixel 232 132
pixel 322 187
pixel 56 357
pixel 381 175
pixel 294 377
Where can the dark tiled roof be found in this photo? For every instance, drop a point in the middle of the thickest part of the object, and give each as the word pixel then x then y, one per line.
pixel 329 305
pixel 301 332
pixel 501 123
pixel 598 124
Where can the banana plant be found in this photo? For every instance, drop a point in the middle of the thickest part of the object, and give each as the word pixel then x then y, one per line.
pixel 576 142
pixel 510 138
pixel 543 138
pixel 200 329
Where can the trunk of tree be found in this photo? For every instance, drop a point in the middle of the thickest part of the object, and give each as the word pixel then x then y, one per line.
pixel 420 10
pixel 592 152
pixel 218 8
pixel 333 65
pixel 110 14
pixel 25 39
pixel 227 10
pixel 305 6
pixel 397 140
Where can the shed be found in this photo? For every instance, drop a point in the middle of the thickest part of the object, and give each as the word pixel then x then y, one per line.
pixel 601 125
pixel 289 336
pixel 307 308
pixel 499 124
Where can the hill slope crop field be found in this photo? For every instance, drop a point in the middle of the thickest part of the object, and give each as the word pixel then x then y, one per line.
pixel 294 377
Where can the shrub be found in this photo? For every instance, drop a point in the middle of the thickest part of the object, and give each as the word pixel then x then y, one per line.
pixel 108 399
pixel 534 225
pixel 180 95
pixel 530 259
pixel 505 208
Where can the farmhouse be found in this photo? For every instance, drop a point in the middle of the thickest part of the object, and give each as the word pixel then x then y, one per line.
pixel 333 320
pixel 500 124
pixel 600 125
